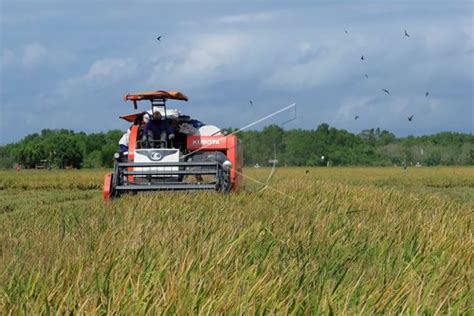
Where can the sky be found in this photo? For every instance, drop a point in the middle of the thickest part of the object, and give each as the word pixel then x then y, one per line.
pixel 68 64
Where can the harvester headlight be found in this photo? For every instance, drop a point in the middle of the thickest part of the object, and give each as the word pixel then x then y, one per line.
pixel 117 156
pixel 227 165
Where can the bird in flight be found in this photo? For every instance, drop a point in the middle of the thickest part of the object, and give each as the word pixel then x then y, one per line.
pixel 426 94
pixel 251 102
pixel 386 91
pixel 356 117
pixel 345 31
pixel 362 57
pixel 406 34
pixel 159 38
pixel 366 76
pixel 410 118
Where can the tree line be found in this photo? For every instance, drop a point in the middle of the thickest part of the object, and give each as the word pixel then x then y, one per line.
pixel 372 147
pixel 62 148
pixel 296 147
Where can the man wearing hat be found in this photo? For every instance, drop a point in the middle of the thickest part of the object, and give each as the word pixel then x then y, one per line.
pixel 158 130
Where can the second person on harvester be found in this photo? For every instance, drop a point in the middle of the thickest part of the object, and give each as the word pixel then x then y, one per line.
pixel 157 131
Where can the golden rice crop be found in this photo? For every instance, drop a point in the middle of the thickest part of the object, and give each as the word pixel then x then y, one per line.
pixel 330 240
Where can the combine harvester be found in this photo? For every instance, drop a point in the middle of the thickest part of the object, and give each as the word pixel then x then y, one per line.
pixel 200 157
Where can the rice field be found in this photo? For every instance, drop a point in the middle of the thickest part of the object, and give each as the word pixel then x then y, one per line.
pixel 317 240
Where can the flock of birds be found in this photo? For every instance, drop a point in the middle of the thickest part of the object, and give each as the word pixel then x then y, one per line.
pixel 410 117
pixel 356 117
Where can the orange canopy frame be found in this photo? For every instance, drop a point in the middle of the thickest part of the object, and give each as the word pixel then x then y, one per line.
pixel 158 94
pixel 132 117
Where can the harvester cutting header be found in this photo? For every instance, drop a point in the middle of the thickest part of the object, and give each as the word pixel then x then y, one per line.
pixel 166 150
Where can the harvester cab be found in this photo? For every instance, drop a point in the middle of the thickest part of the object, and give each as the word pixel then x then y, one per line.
pixel 199 157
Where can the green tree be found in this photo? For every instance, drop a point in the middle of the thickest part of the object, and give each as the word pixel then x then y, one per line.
pixel 67 152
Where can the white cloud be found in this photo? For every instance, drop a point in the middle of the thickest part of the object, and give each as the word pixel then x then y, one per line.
pixel 305 47
pixel 33 54
pixel 352 106
pixel 312 68
pixel 392 112
pixel 211 53
pixel 110 69
pixel 103 73
pixel 248 18
pixel 206 58
pixel 379 110
pixel 30 55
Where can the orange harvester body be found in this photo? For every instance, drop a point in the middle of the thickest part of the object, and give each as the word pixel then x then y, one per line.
pixel 133 173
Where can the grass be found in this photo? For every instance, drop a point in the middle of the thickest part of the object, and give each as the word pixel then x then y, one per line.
pixel 339 240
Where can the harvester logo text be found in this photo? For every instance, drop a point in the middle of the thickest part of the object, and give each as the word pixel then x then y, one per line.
pixel 206 142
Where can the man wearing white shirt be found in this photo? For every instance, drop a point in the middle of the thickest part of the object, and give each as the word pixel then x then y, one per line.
pixel 123 142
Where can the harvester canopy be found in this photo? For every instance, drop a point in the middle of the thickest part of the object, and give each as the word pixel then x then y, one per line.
pixel 132 117
pixel 158 94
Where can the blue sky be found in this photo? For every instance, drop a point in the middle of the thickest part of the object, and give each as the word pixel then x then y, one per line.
pixel 67 64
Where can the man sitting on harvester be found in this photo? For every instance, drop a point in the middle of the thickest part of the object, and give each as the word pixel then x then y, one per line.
pixel 157 131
